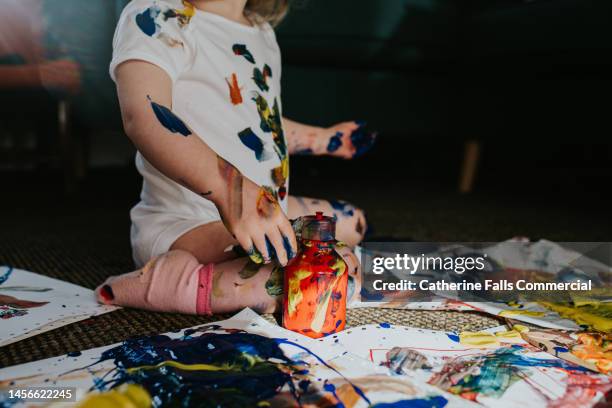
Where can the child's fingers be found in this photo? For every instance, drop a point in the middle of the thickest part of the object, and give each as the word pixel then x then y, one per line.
pixel 288 238
pixel 260 244
pixel 277 242
pixel 247 244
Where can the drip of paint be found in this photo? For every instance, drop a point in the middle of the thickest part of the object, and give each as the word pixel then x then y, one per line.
pixel 437 401
pixel 168 119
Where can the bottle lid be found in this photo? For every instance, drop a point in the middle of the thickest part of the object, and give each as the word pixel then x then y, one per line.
pixel 318 227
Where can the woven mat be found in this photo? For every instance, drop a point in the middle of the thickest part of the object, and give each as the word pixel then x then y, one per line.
pixel 88 260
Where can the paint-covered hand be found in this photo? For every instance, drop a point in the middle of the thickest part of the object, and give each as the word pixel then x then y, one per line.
pixel 252 214
pixel 346 140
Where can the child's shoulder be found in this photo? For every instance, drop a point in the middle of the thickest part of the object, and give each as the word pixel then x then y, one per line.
pixel 160 7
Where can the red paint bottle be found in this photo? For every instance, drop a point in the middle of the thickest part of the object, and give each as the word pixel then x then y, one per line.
pixel 316 281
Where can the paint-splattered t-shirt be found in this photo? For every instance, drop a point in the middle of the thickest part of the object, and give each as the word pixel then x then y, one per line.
pixel 226 88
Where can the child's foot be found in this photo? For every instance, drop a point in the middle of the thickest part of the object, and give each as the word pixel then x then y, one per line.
pixel 173 282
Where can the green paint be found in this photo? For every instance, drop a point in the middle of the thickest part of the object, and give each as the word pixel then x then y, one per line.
pixel 249 270
pixel 274 285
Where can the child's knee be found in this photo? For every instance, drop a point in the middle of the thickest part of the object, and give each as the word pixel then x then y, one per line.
pixel 351 225
pixel 172 261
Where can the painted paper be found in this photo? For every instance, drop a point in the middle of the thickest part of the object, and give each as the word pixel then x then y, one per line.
pixel 495 368
pixel 31 304
pixel 244 361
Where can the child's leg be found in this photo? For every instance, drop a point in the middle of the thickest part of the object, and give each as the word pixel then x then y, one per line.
pixel 207 243
pixel 177 282
pixel 350 226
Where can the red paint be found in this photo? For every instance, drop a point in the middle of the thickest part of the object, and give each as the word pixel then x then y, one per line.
pixel 234 90
pixel 107 293
pixel 323 290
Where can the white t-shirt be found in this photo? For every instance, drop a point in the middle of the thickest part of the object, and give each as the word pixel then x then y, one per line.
pixel 226 88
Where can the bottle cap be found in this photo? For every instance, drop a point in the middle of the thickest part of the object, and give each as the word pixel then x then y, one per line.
pixel 318 227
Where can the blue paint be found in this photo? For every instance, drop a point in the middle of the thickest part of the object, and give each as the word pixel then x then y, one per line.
pixel 559 349
pixel 246 377
pixel 453 337
pixel 146 21
pixel 288 248
pixel 253 142
pixel 331 388
pixel 345 208
pixel 241 49
pixel 286 245
pixel 74 354
pixel 355 388
pixel 168 119
pixel 338 323
pixel 385 325
pixel 362 141
pixel 4 277
pixel 334 142
pixel 431 402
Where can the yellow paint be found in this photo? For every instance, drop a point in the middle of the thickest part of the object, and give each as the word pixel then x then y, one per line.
pixel 485 339
pixel 532 313
pixel 125 396
pixel 252 360
pixel 216 287
pixel 595 348
pixel 595 315
pixel 295 296
pixel 520 328
pixel 321 312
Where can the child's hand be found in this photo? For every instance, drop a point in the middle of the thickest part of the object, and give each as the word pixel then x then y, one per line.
pixel 252 214
pixel 346 140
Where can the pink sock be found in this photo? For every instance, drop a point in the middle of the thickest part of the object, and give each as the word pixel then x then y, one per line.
pixel 173 282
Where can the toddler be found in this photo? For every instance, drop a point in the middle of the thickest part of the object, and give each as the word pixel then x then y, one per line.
pixel 199 88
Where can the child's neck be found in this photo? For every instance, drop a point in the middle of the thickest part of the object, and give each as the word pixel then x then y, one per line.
pixel 230 9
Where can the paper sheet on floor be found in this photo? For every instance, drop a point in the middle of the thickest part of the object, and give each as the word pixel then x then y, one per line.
pixel 243 361
pixel 31 304
pixel 494 368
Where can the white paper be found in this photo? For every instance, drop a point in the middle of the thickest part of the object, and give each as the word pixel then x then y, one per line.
pixel 325 365
pixel 532 383
pixel 58 304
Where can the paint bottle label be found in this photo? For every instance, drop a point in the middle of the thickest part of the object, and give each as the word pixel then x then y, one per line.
pixel 316 281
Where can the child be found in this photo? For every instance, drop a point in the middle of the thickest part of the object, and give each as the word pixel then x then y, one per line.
pixel 199 89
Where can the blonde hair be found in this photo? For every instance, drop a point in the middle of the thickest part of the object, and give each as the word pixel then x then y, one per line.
pixel 270 11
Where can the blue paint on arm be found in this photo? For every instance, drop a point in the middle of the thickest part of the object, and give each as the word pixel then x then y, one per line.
pixel 168 119
pixel 334 142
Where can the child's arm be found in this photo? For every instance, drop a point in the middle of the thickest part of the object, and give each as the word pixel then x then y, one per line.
pixel 346 140
pixel 167 143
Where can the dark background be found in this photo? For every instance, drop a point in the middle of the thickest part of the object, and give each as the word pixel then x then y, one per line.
pixel 529 82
